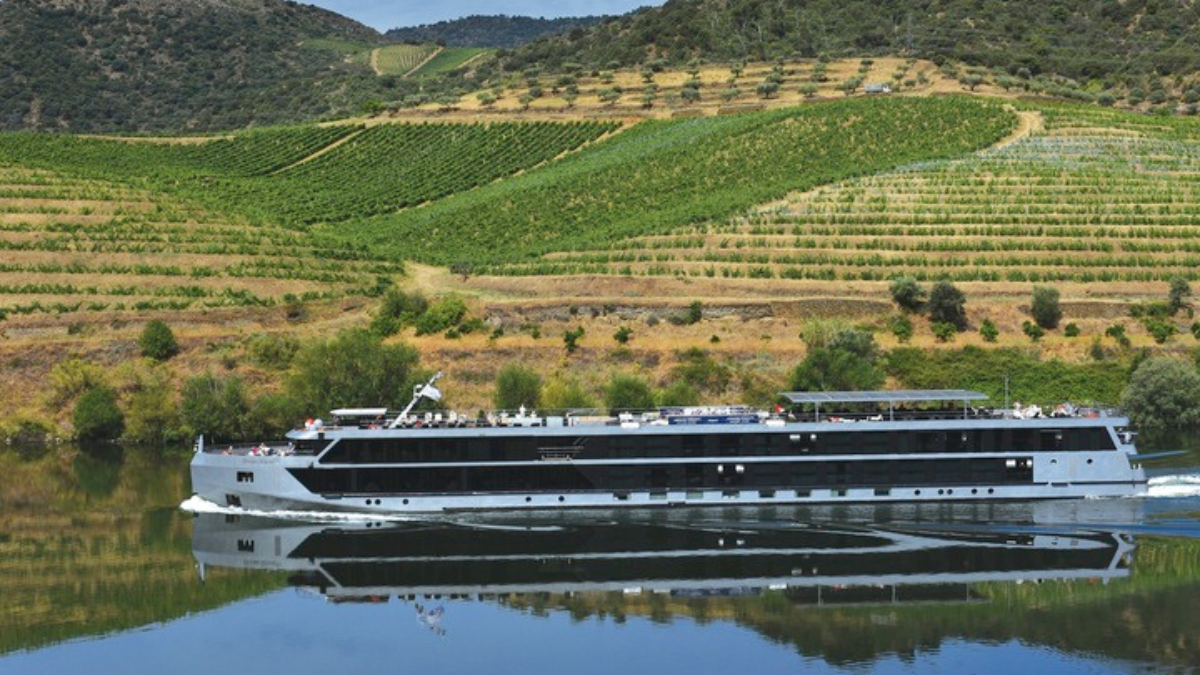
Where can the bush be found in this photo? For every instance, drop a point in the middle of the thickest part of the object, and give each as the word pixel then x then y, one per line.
pixel 1034 331
pixel 902 327
pixel 1045 309
pixel 153 413
pixel 989 331
pixel 628 392
pixel 272 350
pixel 215 406
pixel 699 371
pixel 1117 332
pixel 157 341
pixel 398 309
pixel 442 315
pixel 690 316
pixel 679 393
pixel 1160 330
pixel 568 394
pixel 1163 394
pixel 97 417
pixel 623 334
pixel 943 331
pixel 571 339
pixel 908 294
pixel 847 363
pixel 517 386
pixel 1071 330
pixel 352 369
pixel 1178 294
pixel 71 378
pixel 947 305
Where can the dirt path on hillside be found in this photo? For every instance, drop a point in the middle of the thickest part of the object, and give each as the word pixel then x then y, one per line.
pixel 375 61
pixel 1029 122
pixel 318 153
pixel 427 60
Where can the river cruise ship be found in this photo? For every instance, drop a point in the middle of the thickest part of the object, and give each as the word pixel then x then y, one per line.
pixel 897 446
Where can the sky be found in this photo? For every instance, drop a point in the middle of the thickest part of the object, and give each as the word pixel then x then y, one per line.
pixel 384 14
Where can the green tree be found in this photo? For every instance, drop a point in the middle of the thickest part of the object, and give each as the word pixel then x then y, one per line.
pixel 351 369
pixel 988 330
pixel 1163 394
pixel 848 362
pixel 907 293
pixel 215 406
pixel 1178 294
pixel 947 305
pixel 1045 308
pixel 565 394
pixel 678 393
pixel 700 371
pixel 442 315
pixel 96 416
pixel 623 334
pixel 399 309
pixel 153 412
pixel 157 341
pixel 628 392
pixel 517 386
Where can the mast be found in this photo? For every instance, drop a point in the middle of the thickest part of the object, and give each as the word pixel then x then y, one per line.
pixel 420 391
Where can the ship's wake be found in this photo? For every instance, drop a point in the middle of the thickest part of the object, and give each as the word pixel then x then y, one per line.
pixel 198 504
pixel 1174 487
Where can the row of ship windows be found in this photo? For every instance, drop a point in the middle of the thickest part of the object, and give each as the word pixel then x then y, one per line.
pixel 528 448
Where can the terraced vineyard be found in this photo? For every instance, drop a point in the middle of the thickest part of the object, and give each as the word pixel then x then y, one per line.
pixel 660 175
pixel 70 245
pixel 1097 195
pixel 400 59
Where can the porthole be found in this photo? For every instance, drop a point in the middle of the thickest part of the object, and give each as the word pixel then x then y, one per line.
pixel 917 493
pixel 528 499
pixel 941 492
pixel 406 501
pixel 974 491
pixel 950 491
pixel 377 502
pixel 562 498
pixel 991 491
pixel 368 502
pixel 1089 461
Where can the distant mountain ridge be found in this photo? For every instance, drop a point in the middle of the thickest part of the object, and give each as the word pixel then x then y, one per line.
pixel 498 31
pixel 1082 40
pixel 146 65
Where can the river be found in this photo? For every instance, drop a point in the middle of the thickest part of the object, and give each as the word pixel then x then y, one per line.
pixel 103 572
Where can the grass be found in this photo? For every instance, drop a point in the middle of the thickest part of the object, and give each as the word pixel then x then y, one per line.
pixel 450 58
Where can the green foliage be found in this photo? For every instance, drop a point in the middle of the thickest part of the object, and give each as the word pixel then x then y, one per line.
pixel 1160 330
pixel 944 331
pixel 700 371
pixel 157 341
pixel 399 309
pixel 1032 330
pixel 1071 330
pixel 565 394
pixel 517 386
pixel 352 369
pixel 846 363
pixel 908 294
pixel 272 415
pixel 70 378
pixel 689 316
pixel 442 315
pixel 817 333
pixel 571 339
pixel 1117 332
pixel 1045 307
pixel 152 413
pixel 1163 394
pixel 623 334
pixel 947 305
pixel 988 330
pixel 1178 294
pixel 901 326
pixel 678 393
pixel 215 406
pixel 626 392
pixel 96 416
pixel 272 350
pixel 1031 379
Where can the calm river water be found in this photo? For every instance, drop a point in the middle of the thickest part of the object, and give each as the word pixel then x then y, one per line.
pixel 102 572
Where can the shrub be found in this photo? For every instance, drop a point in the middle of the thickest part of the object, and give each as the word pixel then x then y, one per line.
pixel 1163 394
pixel 628 392
pixel 71 378
pixel 1117 332
pixel 1178 294
pixel 908 294
pixel 97 417
pixel 692 315
pixel 1034 331
pixel 517 386
pixel 989 331
pixel 622 335
pixel 698 369
pixel 272 350
pixel 947 305
pixel 157 341
pixel 398 309
pixel 153 413
pixel 1045 309
pixel 847 363
pixel 442 315
pixel 571 339
pixel 943 331
pixel 1160 330
pixel 902 327
pixel 1071 330
pixel 565 394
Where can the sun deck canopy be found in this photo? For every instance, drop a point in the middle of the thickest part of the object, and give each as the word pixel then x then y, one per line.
pixel 890 397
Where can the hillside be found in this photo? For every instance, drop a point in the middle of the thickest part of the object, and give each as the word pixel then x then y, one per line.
pixel 497 31
pixel 1130 39
pixel 149 65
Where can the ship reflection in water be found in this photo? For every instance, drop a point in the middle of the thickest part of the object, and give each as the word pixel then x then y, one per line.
pixel 809 563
